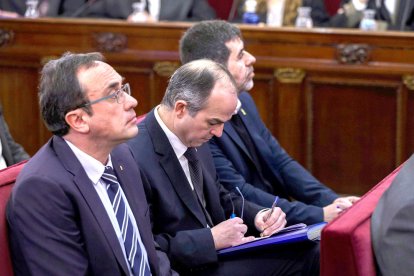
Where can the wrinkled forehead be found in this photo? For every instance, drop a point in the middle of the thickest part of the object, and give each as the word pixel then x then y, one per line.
pixel 100 76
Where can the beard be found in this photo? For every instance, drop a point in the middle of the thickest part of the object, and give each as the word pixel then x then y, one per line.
pixel 246 86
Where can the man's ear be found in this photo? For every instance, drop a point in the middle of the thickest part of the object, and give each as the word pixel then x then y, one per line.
pixel 78 120
pixel 180 108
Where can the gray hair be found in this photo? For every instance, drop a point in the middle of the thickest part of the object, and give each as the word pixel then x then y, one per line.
pixel 60 91
pixel 193 83
pixel 207 39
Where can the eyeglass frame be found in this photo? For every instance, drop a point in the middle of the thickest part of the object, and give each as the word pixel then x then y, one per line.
pixel 124 89
pixel 242 208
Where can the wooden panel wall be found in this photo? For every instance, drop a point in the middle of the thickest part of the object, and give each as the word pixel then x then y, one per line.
pixel 340 101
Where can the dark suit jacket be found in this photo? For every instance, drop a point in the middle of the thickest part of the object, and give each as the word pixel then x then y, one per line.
pixel 179 225
pixel 286 178
pixel 404 16
pixel 392 225
pixel 12 152
pixel 177 10
pixel 58 223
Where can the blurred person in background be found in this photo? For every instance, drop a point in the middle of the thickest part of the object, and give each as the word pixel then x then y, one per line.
pixel 10 152
pixel 177 10
pixel 389 14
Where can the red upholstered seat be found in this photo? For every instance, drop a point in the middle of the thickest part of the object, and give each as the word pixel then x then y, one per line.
pixel 7 180
pixel 346 247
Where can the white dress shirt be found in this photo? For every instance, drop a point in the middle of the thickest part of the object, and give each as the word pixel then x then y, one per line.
pixel 2 161
pixel 95 169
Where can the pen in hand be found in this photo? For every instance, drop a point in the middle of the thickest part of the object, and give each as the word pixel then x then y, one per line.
pixel 269 214
pixel 272 209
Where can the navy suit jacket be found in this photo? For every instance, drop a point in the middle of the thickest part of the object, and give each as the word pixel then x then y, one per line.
pixel 179 224
pixel 286 178
pixel 12 152
pixel 58 224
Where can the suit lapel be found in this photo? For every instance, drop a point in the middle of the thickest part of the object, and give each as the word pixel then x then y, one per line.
pixel 130 181
pixel 123 173
pixel 231 132
pixel 92 199
pixel 263 151
pixel 172 168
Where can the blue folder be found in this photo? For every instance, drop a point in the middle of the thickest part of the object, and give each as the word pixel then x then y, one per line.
pixel 295 233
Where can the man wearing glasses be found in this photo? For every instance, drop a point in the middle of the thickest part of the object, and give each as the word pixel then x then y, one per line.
pixel 78 206
pixel 192 214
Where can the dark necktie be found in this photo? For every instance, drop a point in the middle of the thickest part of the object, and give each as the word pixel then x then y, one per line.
pixel 133 246
pixel 196 175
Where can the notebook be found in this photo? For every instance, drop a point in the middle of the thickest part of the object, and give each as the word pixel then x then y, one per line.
pixel 294 233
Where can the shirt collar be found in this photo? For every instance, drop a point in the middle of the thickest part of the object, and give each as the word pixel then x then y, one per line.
pixel 178 146
pixel 238 106
pixel 93 168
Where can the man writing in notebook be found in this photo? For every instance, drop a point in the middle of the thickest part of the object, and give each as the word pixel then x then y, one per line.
pixel 247 155
pixel 189 208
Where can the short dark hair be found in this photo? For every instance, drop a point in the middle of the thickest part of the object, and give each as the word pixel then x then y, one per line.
pixel 207 39
pixel 193 83
pixel 60 91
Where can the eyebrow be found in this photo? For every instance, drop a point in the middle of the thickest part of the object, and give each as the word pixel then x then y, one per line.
pixel 215 121
pixel 114 85
pixel 240 52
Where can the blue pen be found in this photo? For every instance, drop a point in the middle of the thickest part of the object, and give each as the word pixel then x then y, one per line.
pixel 272 209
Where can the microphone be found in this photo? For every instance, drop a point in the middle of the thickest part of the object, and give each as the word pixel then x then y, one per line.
pixel 84 7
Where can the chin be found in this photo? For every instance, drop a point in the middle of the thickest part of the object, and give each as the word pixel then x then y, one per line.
pixel 249 85
pixel 131 133
pixel 197 144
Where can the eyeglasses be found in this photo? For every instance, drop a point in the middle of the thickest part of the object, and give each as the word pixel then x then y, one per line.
pixel 242 209
pixel 119 95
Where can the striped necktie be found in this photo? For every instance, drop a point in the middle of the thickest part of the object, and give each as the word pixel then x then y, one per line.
pixel 133 246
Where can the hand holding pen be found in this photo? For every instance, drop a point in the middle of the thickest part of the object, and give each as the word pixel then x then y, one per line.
pixel 269 214
pixel 270 221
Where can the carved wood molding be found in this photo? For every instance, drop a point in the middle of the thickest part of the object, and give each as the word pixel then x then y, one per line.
pixel 353 53
pixel 6 37
pixel 289 75
pixel 110 42
pixel 165 68
pixel 408 80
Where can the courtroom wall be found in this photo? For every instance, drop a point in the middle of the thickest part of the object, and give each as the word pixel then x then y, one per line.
pixel 339 101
